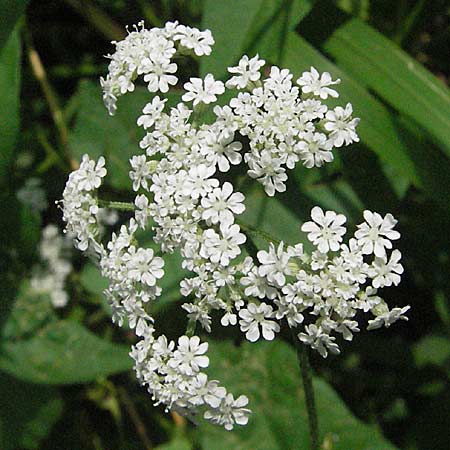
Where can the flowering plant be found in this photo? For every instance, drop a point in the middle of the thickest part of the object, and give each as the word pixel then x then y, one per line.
pixel 186 200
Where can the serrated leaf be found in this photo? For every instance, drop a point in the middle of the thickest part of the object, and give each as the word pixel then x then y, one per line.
pixel 27 414
pixel 268 374
pixel 63 352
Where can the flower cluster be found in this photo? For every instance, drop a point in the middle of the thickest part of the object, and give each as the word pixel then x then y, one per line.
pixel 173 376
pixel 50 276
pixel 150 53
pixel 271 124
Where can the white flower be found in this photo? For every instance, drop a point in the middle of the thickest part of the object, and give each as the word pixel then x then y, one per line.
pixel 140 173
pixel 143 266
pixel 247 70
pixel 313 82
pixel 257 286
pixel 223 247
pixel 207 392
pixel 221 150
pixel 158 76
pixel 319 340
pixel 142 212
pixel 203 91
pixel 341 125
pixel 189 355
pixel 198 182
pixel 326 231
pixel 254 317
pixel 200 41
pixel 384 273
pixel 274 264
pixel 152 112
pixel 221 204
pixel 388 318
pixel 269 172
pixel 376 233
pixel 228 319
pixel 89 175
pixel 314 149
pixel 230 412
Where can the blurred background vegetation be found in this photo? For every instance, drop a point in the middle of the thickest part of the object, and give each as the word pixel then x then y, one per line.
pixel 65 378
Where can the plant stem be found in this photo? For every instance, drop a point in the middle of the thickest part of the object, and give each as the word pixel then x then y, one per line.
pixel 135 417
pixel 122 206
pixel 262 234
pixel 306 372
pixel 190 330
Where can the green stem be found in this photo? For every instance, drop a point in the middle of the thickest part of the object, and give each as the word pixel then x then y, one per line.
pixel 121 206
pixel 253 230
pixel 306 372
pixel 190 330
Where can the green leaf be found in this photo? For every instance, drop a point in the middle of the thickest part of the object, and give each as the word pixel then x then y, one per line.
pixel 229 27
pixel 268 374
pixel 432 349
pixel 395 76
pixel 270 31
pixel 261 28
pixel 9 106
pixel 376 128
pixel 178 443
pixel 11 12
pixel 64 352
pixel 27 414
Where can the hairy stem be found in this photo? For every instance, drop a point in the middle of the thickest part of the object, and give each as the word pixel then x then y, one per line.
pixel 306 372
pixel 255 231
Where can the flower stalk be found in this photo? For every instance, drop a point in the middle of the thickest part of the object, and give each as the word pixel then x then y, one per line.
pixel 306 373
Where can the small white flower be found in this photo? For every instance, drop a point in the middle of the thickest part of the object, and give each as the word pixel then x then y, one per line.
pixel 159 76
pixel 313 82
pixel 140 173
pixel 326 231
pixel 207 392
pixel 223 247
pixel 90 174
pixel 203 91
pixel 341 125
pixel 274 264
pixel 253 317
pixel 230 412
pixel 189 355
pixel 384 273
pixel 319 340
pixel 143 266
pixel 376 233
pixel 314 149
pixel 221 204
pixel 192 38
pixel 247 70
pixel 388 318
pixel 152 112
pixel 198 182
